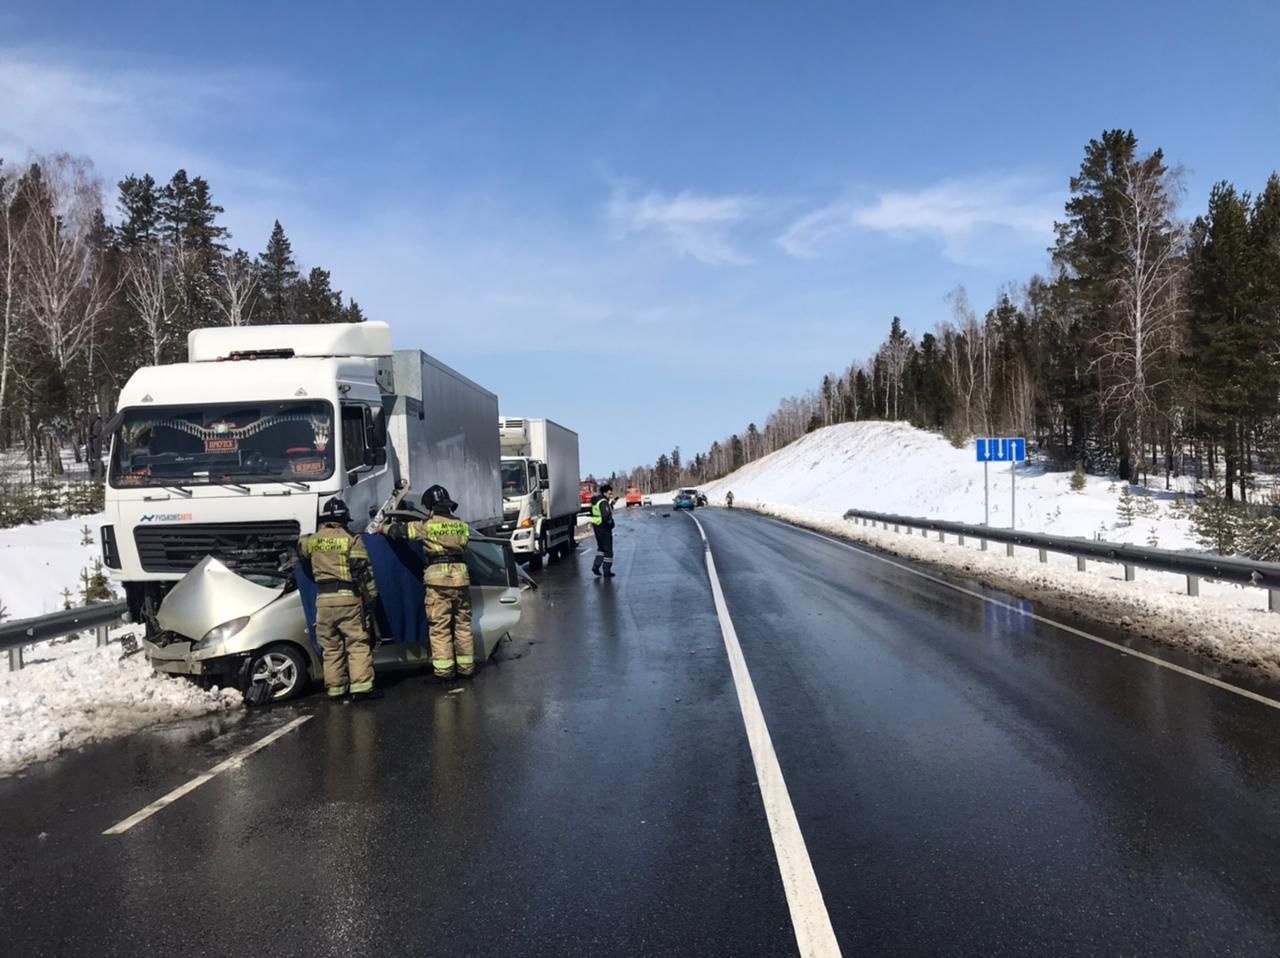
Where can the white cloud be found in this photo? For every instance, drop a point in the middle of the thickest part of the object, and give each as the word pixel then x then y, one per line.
pixel 807 235
pixel 961 213
pixel 695 225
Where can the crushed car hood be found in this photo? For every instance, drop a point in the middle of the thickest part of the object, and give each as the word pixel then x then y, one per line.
pixel 209 595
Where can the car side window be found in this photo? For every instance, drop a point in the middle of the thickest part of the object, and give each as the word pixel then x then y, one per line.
pixel 488 563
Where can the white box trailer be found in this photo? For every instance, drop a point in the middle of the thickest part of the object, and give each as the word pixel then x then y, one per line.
pixel 442 433
pixel 233 453
pixel 540 484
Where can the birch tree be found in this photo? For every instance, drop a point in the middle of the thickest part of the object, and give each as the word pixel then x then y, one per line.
pixel 238 295
pixel 65 293
pixel 1141 338
pixel 8 277
pixel 150 274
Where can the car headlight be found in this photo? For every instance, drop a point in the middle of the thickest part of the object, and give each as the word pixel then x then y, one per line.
pixel 220 633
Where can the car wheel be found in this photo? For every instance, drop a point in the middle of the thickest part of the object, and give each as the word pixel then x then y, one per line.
pixel 284 668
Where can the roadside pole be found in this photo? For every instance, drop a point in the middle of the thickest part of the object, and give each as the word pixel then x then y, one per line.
pixel 986 493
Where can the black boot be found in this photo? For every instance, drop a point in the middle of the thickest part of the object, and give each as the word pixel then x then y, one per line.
pixel 595 567
pixel 369 696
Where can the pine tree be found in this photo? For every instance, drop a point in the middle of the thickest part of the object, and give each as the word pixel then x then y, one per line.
pixel 1260 538
pixel 317 301
pixel 174 199
pixel 1126 510
pixel 352 313
pixel 1078 479
pixel 139 205
pixel 1144 503
pixel 1223 345
pixel 278 279
pixel 1215 521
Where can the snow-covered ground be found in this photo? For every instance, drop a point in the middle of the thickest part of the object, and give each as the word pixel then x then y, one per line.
pixel 893 468
pixel 38 561
pixel 75 694
pixel 72 693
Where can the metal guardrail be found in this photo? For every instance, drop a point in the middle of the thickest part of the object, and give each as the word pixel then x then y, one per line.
pixel 99 616
pixel 1263 575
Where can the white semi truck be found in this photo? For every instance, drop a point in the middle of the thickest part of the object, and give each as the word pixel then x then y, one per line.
pixel 539 488
pixel 232 453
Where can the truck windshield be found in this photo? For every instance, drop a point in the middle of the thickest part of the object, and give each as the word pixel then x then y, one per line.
pixel 229 443
pixel 515 480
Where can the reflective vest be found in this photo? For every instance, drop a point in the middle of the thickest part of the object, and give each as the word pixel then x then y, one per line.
pixel 597 514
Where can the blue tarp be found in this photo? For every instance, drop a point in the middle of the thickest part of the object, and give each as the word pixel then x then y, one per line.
pixel 397 568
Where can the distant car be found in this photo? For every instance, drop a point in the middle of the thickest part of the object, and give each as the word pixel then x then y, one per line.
pixel 648 501
pixel 685 499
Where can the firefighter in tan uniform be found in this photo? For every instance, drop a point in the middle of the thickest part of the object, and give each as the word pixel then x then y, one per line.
pixel 448 583
pixel 339 564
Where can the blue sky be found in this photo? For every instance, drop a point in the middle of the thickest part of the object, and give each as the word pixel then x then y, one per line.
pixel 647 221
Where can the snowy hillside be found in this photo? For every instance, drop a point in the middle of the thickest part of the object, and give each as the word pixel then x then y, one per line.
pixel 38 561
pixel 892 467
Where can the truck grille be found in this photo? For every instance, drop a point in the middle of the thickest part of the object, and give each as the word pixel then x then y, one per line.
pixel 235 544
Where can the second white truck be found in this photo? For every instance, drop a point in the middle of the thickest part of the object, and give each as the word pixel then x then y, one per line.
pixel 539 488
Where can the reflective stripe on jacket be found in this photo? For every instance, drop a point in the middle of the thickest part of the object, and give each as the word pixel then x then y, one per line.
pixel 331 551
pixel 445 539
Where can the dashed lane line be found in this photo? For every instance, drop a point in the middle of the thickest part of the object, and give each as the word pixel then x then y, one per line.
pixel 809 918
pixel 165 801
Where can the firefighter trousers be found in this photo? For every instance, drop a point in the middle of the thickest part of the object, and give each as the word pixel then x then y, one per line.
pixel 345 647
pixel 449 615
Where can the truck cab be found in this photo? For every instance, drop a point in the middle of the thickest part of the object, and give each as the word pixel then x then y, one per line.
pixel 539 509
pixel 232 453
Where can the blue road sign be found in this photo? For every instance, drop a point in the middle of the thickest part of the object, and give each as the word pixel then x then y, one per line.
pixel 1002 450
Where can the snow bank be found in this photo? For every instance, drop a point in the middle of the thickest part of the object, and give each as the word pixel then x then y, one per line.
pixel 60 705
pixel 1209 626
pixel 38 561
pixel 895 468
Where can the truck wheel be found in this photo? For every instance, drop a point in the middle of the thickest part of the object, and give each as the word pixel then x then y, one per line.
pixel 535 563
pixel 284 668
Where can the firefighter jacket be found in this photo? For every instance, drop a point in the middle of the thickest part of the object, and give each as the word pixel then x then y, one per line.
pixel 339 563
pixel 445 539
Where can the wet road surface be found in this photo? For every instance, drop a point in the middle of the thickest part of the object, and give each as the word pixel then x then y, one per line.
pixel 967 781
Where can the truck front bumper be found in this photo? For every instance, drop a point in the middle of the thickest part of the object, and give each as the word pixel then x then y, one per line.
pixel 524 541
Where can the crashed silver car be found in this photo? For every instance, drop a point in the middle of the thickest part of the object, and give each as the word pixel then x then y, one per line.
pixel 249 628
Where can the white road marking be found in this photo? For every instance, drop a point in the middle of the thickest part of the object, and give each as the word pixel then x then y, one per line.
pixel 121 827
pixel 1154 660
pixel 809 918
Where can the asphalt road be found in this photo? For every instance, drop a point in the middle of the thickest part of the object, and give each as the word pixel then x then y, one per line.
pixel 967 781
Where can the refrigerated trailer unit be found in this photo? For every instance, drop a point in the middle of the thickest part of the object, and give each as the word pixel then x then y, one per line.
pixel 539 487
pixel 233 453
